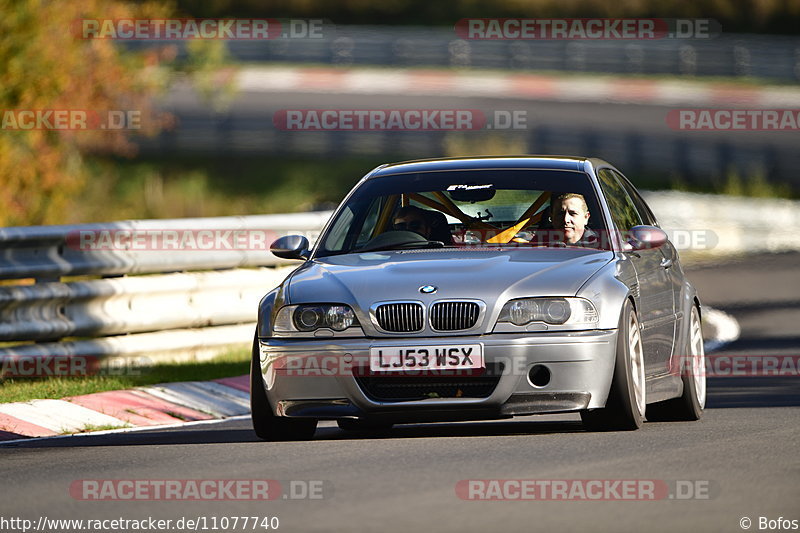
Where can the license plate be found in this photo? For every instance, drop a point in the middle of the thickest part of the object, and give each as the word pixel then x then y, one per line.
pixel 451 357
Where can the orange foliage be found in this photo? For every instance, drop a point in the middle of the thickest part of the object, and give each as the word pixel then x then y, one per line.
pixel 45 65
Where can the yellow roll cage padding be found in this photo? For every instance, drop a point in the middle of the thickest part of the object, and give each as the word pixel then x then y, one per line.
pixel 525 219
pixel 383 218
pixel 446 206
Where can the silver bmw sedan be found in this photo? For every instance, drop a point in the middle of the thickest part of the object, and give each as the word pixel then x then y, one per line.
pixel 480 288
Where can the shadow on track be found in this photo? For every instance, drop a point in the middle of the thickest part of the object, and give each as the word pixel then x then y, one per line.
pixel 243 433
pixel 504 428
pixel 753 392
pixel 757 390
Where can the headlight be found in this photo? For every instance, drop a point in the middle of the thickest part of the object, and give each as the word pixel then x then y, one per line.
pixel 310 317
pixel 555 311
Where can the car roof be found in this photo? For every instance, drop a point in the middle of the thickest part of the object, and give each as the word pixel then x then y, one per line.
pixel 492 162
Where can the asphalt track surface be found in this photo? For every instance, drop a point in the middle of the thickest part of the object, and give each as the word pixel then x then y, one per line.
pixel 742 454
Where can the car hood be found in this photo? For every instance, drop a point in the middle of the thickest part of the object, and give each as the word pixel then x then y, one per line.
pixel 489 275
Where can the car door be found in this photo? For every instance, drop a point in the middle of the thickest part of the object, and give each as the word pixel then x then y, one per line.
pixel 670 261
pixel 653 294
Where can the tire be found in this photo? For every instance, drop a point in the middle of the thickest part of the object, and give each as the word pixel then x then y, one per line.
pixel 625 407
pixel 689 406
pixel 351 424
pixel 266 425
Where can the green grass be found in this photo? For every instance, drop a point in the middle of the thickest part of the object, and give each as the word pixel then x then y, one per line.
pixel 732 184
pixel 93 427
pixel 208 186
pixel 756 186
pixel 234 363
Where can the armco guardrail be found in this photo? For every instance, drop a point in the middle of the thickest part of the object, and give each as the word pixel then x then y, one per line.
pixel 728 224
pixel 47 252
pixel 133 304
pixel 193 299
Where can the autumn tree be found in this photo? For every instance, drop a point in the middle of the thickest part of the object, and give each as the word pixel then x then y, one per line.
pixel 45 64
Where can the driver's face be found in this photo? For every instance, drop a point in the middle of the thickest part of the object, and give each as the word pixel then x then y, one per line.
pixel 571 217
pixel 412 222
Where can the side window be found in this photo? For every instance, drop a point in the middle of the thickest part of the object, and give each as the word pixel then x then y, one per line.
pixel 644 211
pixel 352 225
pixel 370 221
pixel 619 203
pixel 338 233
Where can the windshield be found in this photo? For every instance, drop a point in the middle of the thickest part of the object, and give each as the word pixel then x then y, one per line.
pixel 469 208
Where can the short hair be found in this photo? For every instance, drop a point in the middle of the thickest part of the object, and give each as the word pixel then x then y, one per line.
pixel 412 210
pixel 568 196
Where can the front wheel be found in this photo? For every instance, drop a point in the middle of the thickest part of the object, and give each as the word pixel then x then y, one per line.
pixel 626 402
pixel 266 425
pixel 689 405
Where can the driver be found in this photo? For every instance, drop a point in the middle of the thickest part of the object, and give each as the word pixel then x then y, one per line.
pixel 412 218
pixel 570 216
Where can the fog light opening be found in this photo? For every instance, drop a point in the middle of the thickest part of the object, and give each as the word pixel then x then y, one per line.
pixel 539 375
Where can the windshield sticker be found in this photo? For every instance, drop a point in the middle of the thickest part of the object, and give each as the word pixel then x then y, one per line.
pixel 470 187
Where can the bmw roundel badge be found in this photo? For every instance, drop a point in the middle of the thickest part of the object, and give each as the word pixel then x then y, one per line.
pixel 427 289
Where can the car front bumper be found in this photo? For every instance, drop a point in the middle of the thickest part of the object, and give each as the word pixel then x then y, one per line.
pixel 315 378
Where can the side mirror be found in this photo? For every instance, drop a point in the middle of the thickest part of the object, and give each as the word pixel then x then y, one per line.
pixel 291 247
pixel 645 238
